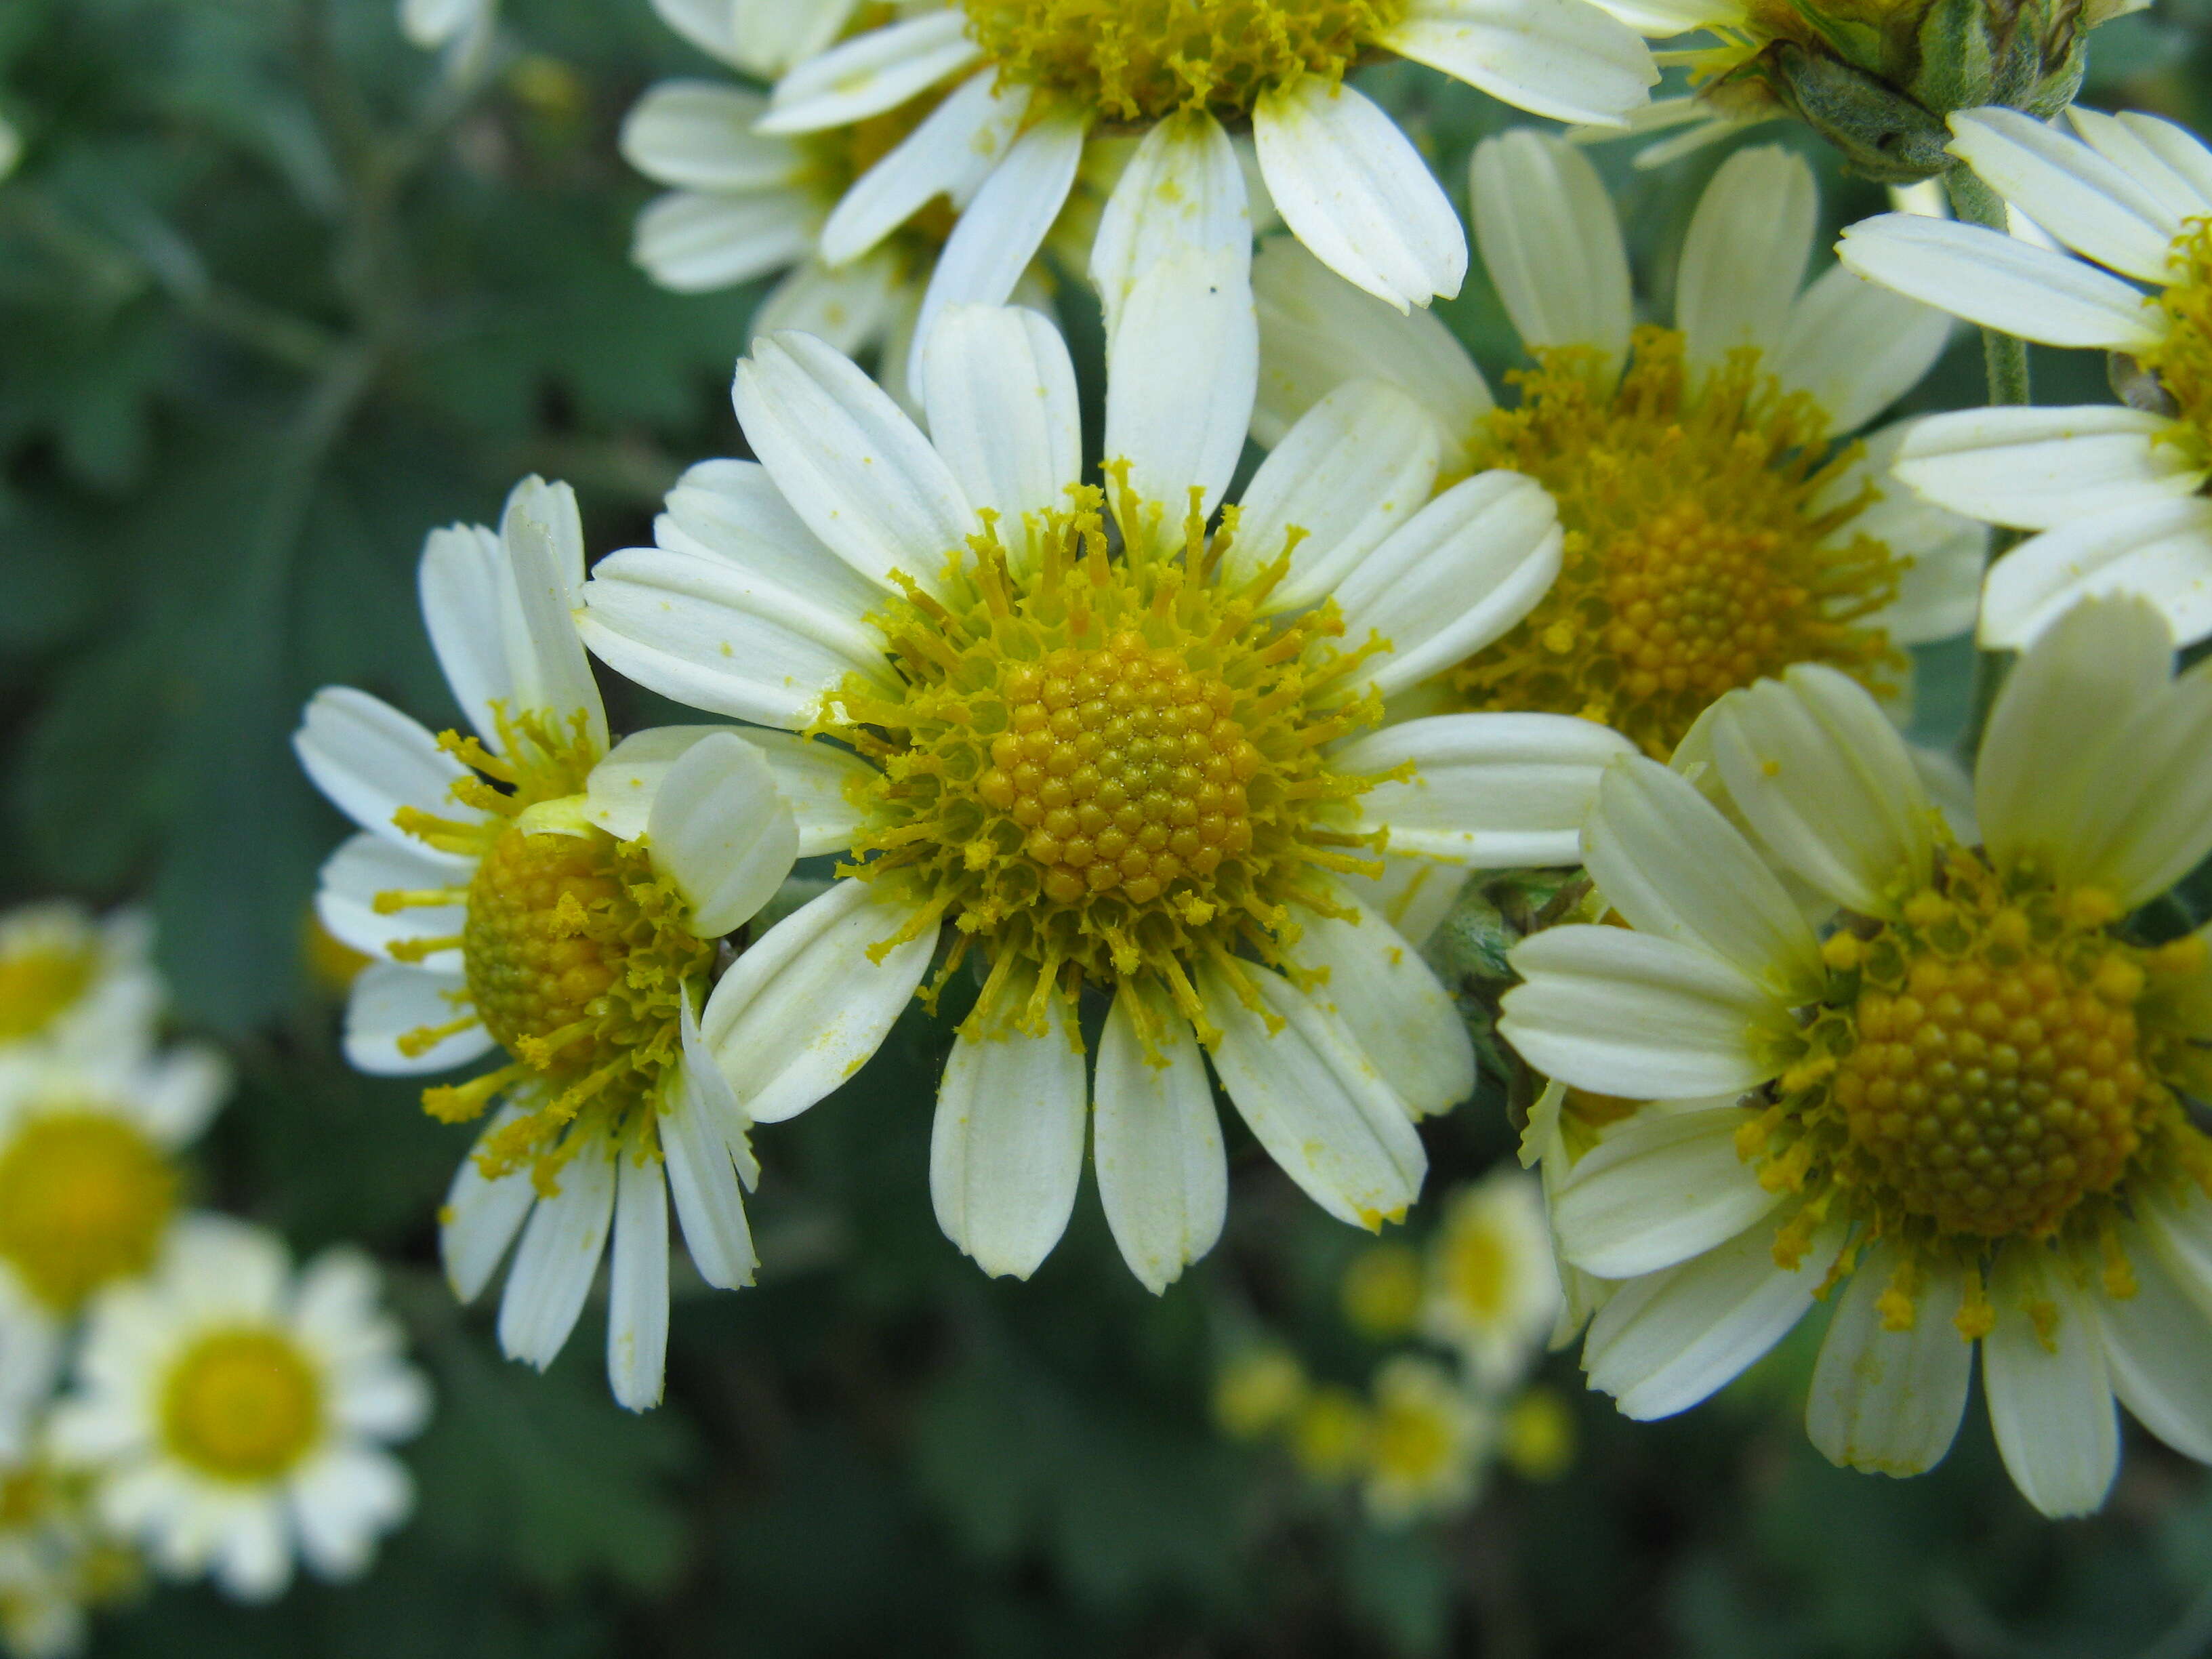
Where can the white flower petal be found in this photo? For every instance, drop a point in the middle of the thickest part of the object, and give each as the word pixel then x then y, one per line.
pixel 1550 241
pixel 544 537
pixel 1000 231
pixel 2159 550
pixel 389 1000
pixel 1313 1098
pixel 2051 1402
pixel 707 24
pixel 1351 187
pixel 949 154
pixel 849 309
pixel 2156 155
pixel 2054 726
pixel 1394 1007
pixel 694 243
pixel 1000 391
pixel 850 463
pixel 2035 468
pixel 559 1257
pixel 1180 373
pixel 1827 783
pixel 1006 1149
pixel 1358 463
pixel 1665 1341
pixel 1183 192
pixel 2155 1342
pixel 812 777
pixel 1488 790
pixel 2068 189
pixel 1657 1191
pixel 344 1501
pixel 1413 895
pixel 1557 57
pixel 803 1005
pixel 721 831
pixel 1317 332
pixel 1999 281
pixel 366 865
pixel 1884 1400
pixel 637 1283
pixel 1855 347
pixel 1635 1015
pixel 768 37
pixel 731 512
pixel 470 608
pixel 481 1217
pixel 870 73
pixel 1163 1178
pixel 698 1119
pixel 371 760
pixel 253 1559
pixel 1664 857
pixel 1453 577
pixel 1744 257
pixel 698 135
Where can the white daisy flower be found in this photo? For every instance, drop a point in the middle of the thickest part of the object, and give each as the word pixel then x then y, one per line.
pixel 2119 493
pixel 231 1413
pixel 1721 521
pixel 87 1189
pixel 1035 81
pixel 1141 765
pixel 532 890
pixel 1429 1442
pixel 57 1563
pixel 73 984
pixel 1492 1292
pixel 1962 1110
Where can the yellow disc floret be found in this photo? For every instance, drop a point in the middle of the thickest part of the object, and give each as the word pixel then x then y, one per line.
pixel 2183 360
pixel 41 984
pixel 1107 769
pixel 1703 548
pixel 84 1198
pixel 242 1404
pixel 576 953
pixel 1139 60
pixel 1994 1064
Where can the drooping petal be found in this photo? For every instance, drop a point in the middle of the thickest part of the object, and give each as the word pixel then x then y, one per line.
pixel 2051 1400
pixel 722 832
pixel 1162 1177
pixel 637 1283
pixel 812 777
pixel 698 1120
pixel 559 1257
pixel 482 1216
pixel 1890 1400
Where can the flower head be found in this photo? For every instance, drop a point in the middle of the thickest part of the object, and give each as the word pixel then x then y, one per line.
pixel 532 890
pixel 71 984
pixel 1428 1442
pixel 1721 521
pixel 1960 1109
pixel 1095 740
pixel 1492 1290
pixel 2117 492
pixel 57 1563
pixel 229 1413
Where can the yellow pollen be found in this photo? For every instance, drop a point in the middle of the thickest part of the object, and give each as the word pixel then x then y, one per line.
pixel 1992 1068
pixel 1105 768
pixel 39 985
pixel 1139 60
pixel 2183 360
pixel 84 1198
pixel 242 1404
pixel 1701 551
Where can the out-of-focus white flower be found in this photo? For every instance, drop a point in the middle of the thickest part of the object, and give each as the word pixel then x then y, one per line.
pixel 71 984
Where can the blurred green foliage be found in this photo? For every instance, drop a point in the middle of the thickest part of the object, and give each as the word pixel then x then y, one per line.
pixel 273 301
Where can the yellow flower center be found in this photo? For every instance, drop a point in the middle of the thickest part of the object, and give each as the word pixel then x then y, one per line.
pixel 2183 360
pixel 1994 1064
pixel 1702 551
pixel 1140 60
pixel 1105 768
pixel 575 951
pixel 243 1405
pixel 1478 1268
pixel 1381 1292
pixel 84 1198
pixel 1413 1441
pixel 39 985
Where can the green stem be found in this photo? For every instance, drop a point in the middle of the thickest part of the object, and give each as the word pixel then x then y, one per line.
pixel 2004 357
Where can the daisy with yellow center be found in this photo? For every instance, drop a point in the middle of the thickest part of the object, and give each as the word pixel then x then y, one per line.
pixel 88 1187
pixel 1040 80
pixel 57 1563
pixel 1958 1110
pixel 1430 1439
pixel 1721 521
pixel 73 984
pixel 231 1415
pixel 529 890
pixel 1492 1292
pixel 1095 741
pixel 2122 495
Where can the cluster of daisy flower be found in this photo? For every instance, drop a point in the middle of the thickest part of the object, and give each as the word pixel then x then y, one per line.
pixel 1147 792
pixel 1421 1442
pixel 172 1392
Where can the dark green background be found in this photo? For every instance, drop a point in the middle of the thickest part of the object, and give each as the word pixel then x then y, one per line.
pixel 268 310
